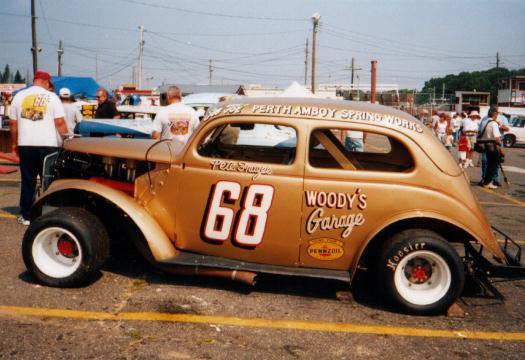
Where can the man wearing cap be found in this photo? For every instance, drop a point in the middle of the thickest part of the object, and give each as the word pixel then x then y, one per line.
pixel 72 113
pixel 37 116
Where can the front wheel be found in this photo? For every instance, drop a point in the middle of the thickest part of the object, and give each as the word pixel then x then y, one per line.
pixel 508 141
pixel 420 272
pixel 65 247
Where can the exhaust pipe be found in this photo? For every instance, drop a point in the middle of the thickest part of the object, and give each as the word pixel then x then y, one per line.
pixel 244 277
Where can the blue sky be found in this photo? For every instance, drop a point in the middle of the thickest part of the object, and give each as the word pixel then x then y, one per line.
pixel 263 42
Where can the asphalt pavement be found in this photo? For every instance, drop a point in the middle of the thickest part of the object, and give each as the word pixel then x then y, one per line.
pixel 135 312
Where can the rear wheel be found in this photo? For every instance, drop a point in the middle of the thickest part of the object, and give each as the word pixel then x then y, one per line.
pixel 420 272
pixel 65 247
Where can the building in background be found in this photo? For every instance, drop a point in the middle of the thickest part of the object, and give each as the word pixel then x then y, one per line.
pixel 511 92
pixel 472 100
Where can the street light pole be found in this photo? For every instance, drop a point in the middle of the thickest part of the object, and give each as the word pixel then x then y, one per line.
pixel 60 53
pixel 141 55
pixel 315 20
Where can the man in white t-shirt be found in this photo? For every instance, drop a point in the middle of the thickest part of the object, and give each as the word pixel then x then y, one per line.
pixel 175 121
pixel 73 116
pixel 37 116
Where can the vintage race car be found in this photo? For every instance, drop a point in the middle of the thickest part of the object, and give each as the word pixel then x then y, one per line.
pixel 291 186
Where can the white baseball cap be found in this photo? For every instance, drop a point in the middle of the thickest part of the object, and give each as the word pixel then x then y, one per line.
pixel 64 93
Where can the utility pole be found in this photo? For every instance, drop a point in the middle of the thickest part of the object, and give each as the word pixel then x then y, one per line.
pixel 141 55
pixel 60 52
pixel 497 78
pixel 210 70
pixel 315 20
pixel 34 49
pixel 306 64
pixel 353 70
pixel 442 93
pixel 373 82
pixel 358 95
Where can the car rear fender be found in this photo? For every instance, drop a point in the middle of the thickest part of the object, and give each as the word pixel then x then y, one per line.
pixel 160 245
pixel 427 220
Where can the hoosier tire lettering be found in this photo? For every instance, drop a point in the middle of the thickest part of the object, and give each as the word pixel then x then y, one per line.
pixel 393 261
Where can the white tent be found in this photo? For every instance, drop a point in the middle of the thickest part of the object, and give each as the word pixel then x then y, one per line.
pixel 296 90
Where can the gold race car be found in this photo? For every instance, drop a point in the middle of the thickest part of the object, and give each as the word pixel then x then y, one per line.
pixel 298 187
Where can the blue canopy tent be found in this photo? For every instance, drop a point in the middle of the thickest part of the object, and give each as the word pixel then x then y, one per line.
pixel 80 87
pixel 84 87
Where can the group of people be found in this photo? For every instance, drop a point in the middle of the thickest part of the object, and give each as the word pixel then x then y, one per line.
pixel 39 121
pixel 464 131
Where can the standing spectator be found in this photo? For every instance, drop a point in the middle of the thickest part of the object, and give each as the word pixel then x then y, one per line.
pixel 503 123
pixel 490 136
pixel 36 116
pixel 470 129
pixel 434 118
pixel 448 140
pixel 463 148
pixel 73 115
pixel 175 121
pixel 456 125
pixel 106 108
pixel 440 129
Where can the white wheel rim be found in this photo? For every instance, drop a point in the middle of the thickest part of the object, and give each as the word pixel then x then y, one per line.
pixel 51 260
pixel 429 279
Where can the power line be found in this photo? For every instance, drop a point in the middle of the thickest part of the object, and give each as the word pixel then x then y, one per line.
pixel 270 33
pixel 198 12
pixel 45 20
pixel 404 52
pixel 388 40
pixel 218 50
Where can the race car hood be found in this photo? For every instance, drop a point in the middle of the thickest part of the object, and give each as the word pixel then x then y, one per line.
pixel 136 149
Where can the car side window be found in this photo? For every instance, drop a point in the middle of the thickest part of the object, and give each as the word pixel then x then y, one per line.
pixel 357 151
pixel 248 141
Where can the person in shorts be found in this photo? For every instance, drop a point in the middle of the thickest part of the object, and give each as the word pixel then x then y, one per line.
pixel 470 129
pixel 463 148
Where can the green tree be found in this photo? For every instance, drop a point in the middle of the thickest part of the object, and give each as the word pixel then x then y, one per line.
pixel 470 81
pixel 18 78
pixel 7 75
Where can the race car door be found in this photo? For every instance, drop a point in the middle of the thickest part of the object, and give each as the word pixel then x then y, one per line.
pixel 352 184
pixel 241 188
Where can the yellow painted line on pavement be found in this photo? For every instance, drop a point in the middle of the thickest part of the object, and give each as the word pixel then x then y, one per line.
pixel 503 196
pixel 498 204
pixel 7 215
pixel 261 323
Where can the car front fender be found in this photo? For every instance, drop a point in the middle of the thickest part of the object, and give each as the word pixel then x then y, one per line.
pixel 160 245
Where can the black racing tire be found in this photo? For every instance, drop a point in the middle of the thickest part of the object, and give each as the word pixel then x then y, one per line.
pixel 420 272
pixel 65 247
pixel 508 140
